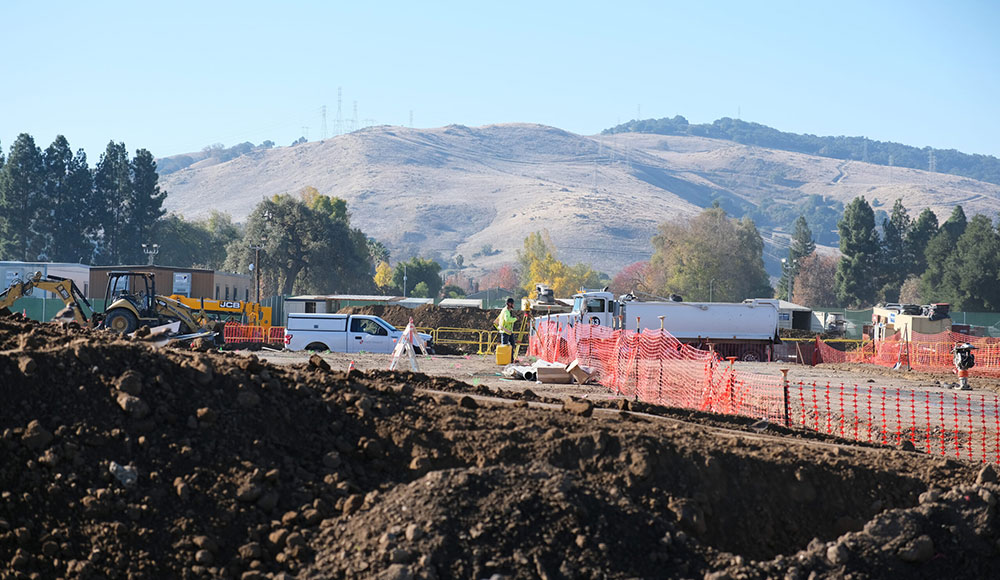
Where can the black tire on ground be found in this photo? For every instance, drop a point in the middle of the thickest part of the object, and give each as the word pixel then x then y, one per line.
pixel 121 321
pixel 750 356
pixel 316 346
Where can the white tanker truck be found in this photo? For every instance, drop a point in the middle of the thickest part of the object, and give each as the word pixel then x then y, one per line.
pixel 741 329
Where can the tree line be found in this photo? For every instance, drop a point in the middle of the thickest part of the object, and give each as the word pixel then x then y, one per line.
pixel 54 207
pixel 981 167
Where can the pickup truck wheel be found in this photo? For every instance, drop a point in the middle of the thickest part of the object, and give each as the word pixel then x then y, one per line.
pixel 750 357
pixel 316 346
pixel 121 321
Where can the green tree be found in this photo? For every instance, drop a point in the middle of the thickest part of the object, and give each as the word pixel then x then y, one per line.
pixel 22 189
pixel 195 244
pixel 896 258
pixel 710 257
pixel 802 245
pixel 917 238
pixel 940 281
pixel 145 203
pixel 859 243
pixel 69 225
pixel 420 290
pixel 452 291
pixel 417 270
pixel 304 250
pixel 977 267
pixel 112 200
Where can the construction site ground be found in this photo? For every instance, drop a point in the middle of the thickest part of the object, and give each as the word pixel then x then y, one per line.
pixel 123 460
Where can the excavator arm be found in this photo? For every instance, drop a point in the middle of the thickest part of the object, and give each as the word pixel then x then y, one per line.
pixel 64 288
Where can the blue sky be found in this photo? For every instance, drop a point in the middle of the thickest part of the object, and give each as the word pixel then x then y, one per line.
pixel 174 77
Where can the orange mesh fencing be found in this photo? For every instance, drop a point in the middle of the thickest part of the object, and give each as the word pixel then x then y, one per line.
pixel 656 368
pixel 923 352
pixel 234 332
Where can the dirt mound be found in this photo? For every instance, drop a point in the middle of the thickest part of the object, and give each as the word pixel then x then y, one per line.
pixel 125 461
pixel 429 316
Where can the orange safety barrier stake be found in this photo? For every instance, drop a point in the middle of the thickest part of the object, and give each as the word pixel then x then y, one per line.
pixel 982 416
pixel 968 400
pixel 944 427
pixel 954 413
pixel 899 420
pixel 784 396
pixel 927 408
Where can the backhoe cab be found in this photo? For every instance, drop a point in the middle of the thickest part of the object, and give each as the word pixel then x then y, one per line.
pixel 132 302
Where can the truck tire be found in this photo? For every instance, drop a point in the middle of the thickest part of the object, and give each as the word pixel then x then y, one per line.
pixel 316 346
pixel 750 356
pixel 121 321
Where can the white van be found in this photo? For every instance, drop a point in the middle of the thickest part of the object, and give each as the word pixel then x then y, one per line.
pixel 342 333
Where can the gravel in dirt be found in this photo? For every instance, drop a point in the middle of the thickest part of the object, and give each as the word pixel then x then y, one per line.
pixel 121 460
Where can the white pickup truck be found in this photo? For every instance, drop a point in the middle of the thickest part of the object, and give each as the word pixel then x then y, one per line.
pixel 342 333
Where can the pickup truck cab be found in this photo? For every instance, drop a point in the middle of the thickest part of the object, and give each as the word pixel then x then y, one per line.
pixel 342 333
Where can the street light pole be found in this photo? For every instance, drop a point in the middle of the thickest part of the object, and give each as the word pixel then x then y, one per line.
pixel 256 268
pixel 404 279
pixel 151 251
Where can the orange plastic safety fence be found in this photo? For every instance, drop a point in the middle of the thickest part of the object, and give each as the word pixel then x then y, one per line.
pixel 655 367
pixel 234 332
pixel 923 352
pixel 957 424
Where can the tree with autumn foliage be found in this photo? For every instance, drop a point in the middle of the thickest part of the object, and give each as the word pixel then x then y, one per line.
pixel 540 266
pixel 813 286
pixel 383 276
pixel 709 257
pixel 503 277
pixel 630 278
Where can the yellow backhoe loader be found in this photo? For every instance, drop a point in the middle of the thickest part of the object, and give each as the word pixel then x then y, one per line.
pixel 132 301
pixel 64 288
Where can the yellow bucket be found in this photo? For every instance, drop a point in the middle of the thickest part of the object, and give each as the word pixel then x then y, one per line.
pixel 504 352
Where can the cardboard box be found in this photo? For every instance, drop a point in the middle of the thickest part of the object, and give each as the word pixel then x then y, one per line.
pixel 554 374
pixel 579 374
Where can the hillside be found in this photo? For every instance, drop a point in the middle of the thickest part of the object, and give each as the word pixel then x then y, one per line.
pixel 453 190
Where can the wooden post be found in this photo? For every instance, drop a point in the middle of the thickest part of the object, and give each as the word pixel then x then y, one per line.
pixel 661 321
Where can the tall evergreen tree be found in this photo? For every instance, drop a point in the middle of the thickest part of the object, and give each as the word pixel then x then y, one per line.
pixel 896 258
pixel 940 282
pixel 859 244
pixel 916 241
pixel 802 245
pixel 113 199
pixel 147 200
pixel 22 187
pixel 68 187
pixel 978 266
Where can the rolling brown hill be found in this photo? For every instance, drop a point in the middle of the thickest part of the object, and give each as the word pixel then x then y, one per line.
pixel 454 190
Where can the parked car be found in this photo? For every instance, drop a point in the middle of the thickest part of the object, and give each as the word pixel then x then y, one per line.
pixel 343 333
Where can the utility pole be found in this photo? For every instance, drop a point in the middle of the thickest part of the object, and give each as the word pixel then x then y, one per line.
pixel 151 251
pixel 404 279
pixel 256 268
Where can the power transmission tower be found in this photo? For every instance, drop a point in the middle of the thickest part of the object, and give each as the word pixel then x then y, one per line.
pixel 305 132
pixel 931 162
pixel 354 122
pixel 339 123
pixel 411 118
pixel 324 121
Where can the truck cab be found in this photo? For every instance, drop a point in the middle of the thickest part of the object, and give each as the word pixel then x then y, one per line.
pixel 597 308
pixel 342 333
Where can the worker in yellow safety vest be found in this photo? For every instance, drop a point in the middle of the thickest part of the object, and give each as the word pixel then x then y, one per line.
pixel 505 323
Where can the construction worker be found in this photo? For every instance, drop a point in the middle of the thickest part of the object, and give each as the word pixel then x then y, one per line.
pixel 505 323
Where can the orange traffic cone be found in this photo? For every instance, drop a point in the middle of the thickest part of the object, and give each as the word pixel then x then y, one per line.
pixel 351 367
